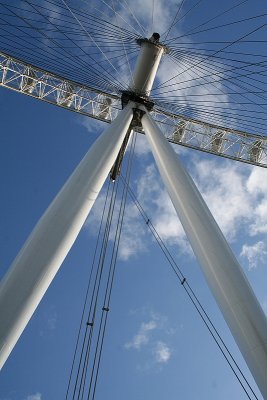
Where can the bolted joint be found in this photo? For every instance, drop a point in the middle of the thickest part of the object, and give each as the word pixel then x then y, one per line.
pixel 129 95
pixel 155 37
pixel 154 40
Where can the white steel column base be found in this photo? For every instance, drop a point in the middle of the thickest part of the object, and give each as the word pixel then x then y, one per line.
pixel 223 273
pixel 37 263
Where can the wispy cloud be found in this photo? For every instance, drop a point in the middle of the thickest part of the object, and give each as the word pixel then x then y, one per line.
pixel 133 230
pixel 141 10
pixel 162 352
pixel 142 337
pixel 223 186
pixel 151 342
pixel 93 126
pixel 141 146
pixel 135 235
pixel 181 88
pixel 36 396
pixel 48 322
pixel 235 194
pixel 153 196
pixel 255 254
pixel 257 188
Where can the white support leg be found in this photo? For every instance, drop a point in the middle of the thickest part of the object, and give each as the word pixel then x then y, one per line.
pixel 37 263
pixel 224 275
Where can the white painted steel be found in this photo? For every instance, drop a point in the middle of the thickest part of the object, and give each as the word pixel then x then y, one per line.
pixel 146 67
pixel 224 275
pixel 41 256
pixel 42 85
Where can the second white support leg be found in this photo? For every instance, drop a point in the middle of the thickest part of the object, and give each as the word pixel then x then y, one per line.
pixel 37 263
pixel 223 273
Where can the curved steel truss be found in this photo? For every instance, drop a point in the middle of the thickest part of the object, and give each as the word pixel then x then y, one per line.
pixel 40 84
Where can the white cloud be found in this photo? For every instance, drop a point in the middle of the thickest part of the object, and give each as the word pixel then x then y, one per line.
pixel 142 337
pixel 259 224
pixel 151 341
pixel 257 188
pixel 257 182
pixel 141 10
pixel 223 186
pixel 153 196
pixel 190 85
pixel 141 146
pixel 255 254
pixel 133 231
pixel 162 353
pixel 235 193
pixel 36 396
pixel 94 126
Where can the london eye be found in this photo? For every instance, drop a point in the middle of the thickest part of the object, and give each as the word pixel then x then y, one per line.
pixel 131 311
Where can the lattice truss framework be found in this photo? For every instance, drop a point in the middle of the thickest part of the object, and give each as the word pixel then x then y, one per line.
pixel 40 84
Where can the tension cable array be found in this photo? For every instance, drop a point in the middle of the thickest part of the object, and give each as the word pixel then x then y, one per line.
pixel 88 350
pixel 194 300
pixel 89 344
pixel 48 35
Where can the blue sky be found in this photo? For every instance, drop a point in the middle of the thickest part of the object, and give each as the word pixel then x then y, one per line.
pixel 156 346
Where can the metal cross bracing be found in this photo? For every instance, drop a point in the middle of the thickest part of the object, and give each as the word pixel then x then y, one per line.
pixel 229 143
pixel 53 89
